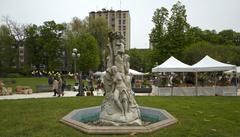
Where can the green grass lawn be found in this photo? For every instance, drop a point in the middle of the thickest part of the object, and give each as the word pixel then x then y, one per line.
pixel 32 82
pixel 198 116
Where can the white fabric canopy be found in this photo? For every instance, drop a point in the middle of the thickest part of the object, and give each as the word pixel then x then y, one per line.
pixel 134 72
pixel 131 71
pixel 209 64
pixel 231 71
pixel 98 73
pixel 173 65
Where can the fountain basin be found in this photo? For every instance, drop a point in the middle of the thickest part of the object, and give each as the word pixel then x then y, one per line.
pixel 80 119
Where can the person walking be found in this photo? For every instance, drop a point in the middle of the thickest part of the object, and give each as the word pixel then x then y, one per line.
pixel 55 86
pixel 63 86
pixel 60 85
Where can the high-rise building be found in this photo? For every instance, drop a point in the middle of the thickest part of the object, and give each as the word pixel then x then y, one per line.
pixel 118 21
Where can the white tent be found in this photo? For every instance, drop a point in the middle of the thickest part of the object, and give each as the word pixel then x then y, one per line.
pixel 131 71
pixel 173 65
pixel 231 71
pixel 98 73
pixel 209 64
pixel 134 72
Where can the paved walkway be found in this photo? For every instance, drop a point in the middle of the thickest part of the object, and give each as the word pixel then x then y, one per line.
pixel 37 95
pixel 66 94
pixel 46 95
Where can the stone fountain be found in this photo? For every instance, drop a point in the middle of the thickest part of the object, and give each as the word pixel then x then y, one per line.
pixel 119 112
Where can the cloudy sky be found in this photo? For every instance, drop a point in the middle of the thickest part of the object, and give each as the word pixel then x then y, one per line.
pixel 207 14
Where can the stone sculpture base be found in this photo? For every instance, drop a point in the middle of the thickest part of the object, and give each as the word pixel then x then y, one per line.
pixel 79 119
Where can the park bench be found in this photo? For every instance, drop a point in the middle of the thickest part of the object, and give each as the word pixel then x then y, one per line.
pixel 43 88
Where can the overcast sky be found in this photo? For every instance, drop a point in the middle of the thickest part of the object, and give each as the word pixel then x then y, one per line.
pixel 207 14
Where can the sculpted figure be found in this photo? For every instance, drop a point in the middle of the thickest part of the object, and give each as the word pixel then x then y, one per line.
pixel 119 106
pixel 120 91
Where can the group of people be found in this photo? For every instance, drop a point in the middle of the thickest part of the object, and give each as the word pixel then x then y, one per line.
pixel 57 84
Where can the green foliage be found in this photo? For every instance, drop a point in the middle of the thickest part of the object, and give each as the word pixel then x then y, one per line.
pixel 173 36
pixel 51 40
pixel 78 36
pixel 33 46
pixel 168 36
pixel 177 26
pixel 224 53
pixel 8 52
pixel 88 48
pixel 98 27
pixel 140 59
pixel 44 45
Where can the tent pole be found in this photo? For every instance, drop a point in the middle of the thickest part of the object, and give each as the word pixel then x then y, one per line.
pixel 236 82
pixel 196 83
pixel 215 82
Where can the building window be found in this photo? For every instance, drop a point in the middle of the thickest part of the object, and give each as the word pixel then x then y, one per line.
pixel 119 22
pixel 124 15
pixel 124 27
pixel 124 21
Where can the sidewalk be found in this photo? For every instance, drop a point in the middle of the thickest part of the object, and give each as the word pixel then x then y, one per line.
pixel 38 95
pixel 66 94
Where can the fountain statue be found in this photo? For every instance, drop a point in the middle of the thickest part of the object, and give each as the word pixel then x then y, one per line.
pixel 119 106
pixel 119 113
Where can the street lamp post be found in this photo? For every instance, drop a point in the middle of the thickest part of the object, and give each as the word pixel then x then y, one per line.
pixel 76 55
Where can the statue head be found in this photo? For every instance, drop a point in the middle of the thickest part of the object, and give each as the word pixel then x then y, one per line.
pixel 114 69
pixel 120 48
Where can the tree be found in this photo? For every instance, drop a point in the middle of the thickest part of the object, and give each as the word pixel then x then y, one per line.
pixel 158 34
pixel 44 45
pixel 34 49
pixel 17 32
pixel 8 51
pixel 177 26
pixel 140 59
pixel 98 27
pixel 169 36
pixel 77 35
pixel 193 35
pixel 224 53
pixel 88 48
pixel 51 39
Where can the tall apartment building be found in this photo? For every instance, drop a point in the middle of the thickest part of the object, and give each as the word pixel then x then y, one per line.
pixel 118 21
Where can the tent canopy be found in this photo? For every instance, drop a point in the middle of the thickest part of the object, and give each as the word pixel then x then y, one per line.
pixel 131 71
pixel 134 72
pixel 204 65
pixel 173 65
pixel 230 71
pixel 210 64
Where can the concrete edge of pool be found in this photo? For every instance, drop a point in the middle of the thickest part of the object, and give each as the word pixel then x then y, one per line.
pixel 91 129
